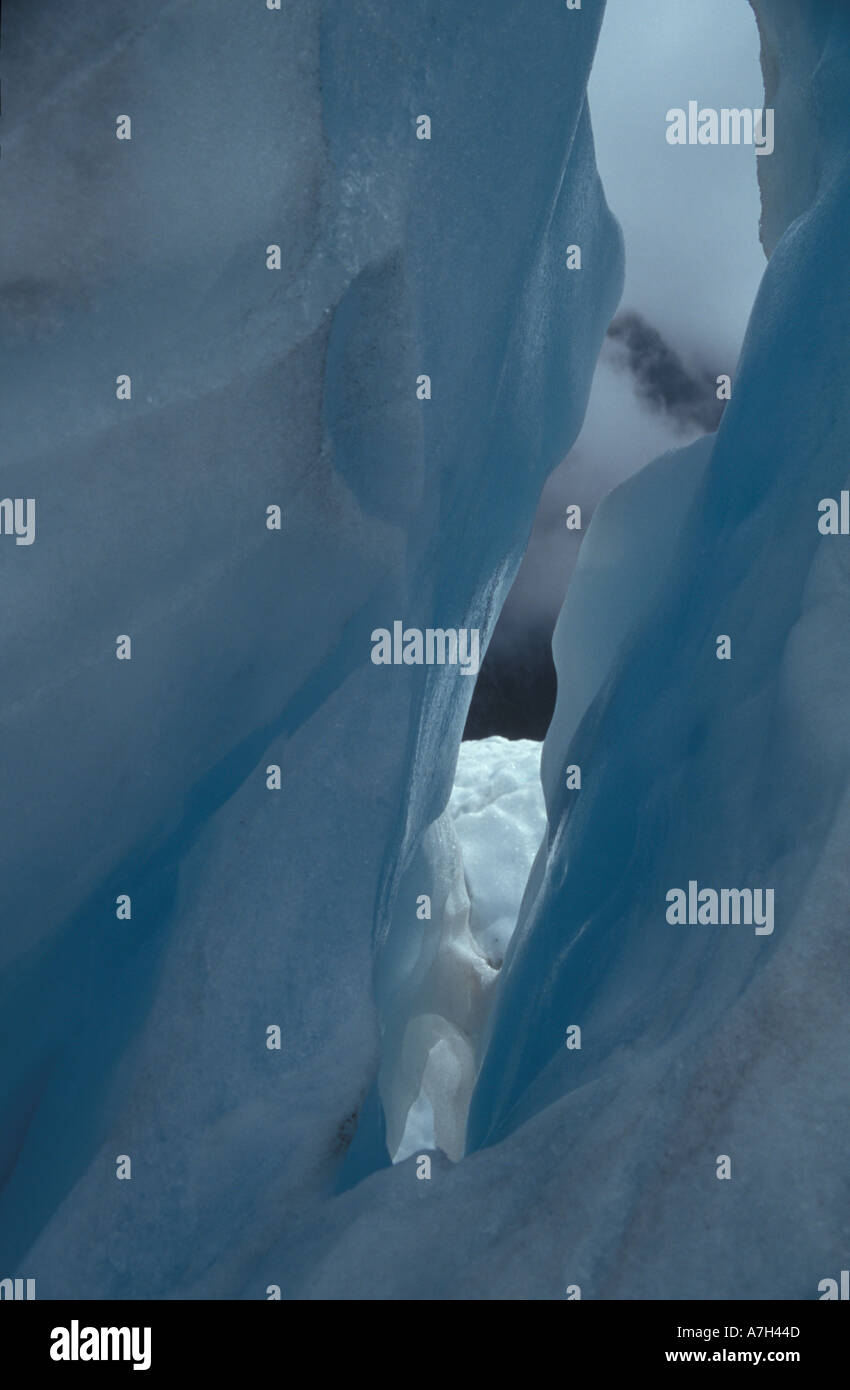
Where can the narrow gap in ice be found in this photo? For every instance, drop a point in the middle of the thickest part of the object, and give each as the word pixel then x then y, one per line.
pixel 485 843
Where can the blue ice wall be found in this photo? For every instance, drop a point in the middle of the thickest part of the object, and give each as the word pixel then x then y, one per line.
pixel 704 1040
pixel 252 387
pixel 598 1168
pixel 250 648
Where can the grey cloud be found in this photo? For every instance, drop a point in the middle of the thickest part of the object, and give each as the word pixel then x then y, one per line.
pixel 660 376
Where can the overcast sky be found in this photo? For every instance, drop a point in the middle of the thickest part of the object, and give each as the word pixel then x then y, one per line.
pixel 689 213
pixel 690 219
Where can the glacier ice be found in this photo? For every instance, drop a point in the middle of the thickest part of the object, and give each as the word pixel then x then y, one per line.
pixel 253 388
pixel 475 863
pixel 597 1167
pixel 251 650
pixel 496 807
pixel 722 772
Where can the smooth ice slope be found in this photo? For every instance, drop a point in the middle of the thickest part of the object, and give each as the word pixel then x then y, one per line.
pixel 251 647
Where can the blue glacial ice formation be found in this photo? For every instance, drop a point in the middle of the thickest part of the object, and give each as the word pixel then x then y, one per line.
pixel 597 1168
pixel 474 863
pixel 252 388
pixel 593 1167
pixel 701 1041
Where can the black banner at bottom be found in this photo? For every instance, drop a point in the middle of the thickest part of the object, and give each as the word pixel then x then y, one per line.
pixel 62 1339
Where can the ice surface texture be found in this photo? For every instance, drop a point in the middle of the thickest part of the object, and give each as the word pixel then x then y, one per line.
pixel 706 1041
pixel 474 866
pixel 250 648
pixel 592 1167
pixel 598 1167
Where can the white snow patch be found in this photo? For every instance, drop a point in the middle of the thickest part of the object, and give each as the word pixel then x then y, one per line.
pixel 495 818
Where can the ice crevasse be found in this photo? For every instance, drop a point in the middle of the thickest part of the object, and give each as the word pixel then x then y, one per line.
pixel 705 1049
pixel 594 1167
pixel 475 861
pixel 152 779
pixel 707 1041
